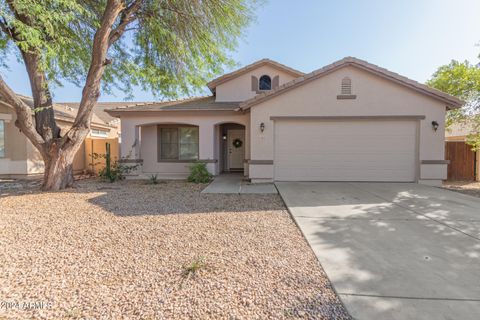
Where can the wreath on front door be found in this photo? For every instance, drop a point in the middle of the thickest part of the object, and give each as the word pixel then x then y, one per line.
pixel 237 143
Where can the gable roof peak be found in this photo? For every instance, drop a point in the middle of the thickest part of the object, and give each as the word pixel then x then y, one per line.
pixel 236 73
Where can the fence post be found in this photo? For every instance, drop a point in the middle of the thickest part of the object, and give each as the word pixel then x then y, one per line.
pixel 93 158
pixel 107 158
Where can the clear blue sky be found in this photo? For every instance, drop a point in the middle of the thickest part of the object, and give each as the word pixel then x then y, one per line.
pixel 410 37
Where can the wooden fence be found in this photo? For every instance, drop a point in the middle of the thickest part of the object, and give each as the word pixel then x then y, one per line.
pixel 463 161
pixel 98 146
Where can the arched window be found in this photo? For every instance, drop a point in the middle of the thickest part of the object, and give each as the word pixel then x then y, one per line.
pixel 346 86
pixel 265 83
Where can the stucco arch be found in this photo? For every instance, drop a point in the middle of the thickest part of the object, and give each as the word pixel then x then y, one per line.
pixel 230 121
pixel 168 123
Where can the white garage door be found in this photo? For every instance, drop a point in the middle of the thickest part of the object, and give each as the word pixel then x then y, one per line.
pixel 312 150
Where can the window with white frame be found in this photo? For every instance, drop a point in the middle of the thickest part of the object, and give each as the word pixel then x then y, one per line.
pixel 2 139
pixel 177 143
pixel 99 133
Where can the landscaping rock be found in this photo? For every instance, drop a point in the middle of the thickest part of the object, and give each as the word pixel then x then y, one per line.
pixel 121 253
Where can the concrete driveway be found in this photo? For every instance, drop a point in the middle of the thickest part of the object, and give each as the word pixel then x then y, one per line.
pixel 393 250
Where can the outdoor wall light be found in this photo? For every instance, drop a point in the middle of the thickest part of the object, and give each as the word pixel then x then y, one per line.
pixel 434 125
pixel 224 137
pixel 262 126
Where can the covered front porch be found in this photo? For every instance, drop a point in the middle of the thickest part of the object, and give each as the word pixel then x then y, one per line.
pixel 167 146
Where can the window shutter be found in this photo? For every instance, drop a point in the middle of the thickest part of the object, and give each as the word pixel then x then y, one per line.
pixel 275 82
pixel 254 84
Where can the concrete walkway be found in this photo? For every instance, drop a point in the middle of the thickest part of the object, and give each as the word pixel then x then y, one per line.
pixel 236 183
pixel 393 250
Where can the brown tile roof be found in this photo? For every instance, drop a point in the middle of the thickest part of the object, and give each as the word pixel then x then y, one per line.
pixel 100 110
pixel 190 104
pixel 451 101
pixel 228 76
pixel 66 113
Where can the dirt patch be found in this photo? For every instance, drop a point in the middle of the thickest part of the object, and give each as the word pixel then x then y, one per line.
pixel 470 188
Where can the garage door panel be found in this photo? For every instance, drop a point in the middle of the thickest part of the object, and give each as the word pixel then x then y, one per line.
pixel 361 147
pixel 345 151
pixel 349 175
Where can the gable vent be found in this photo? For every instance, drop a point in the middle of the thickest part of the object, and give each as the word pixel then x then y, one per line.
pixel 346 90
pixel 346 86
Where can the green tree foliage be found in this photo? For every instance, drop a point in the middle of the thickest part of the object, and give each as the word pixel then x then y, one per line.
pixel 462 79
pixel 170 47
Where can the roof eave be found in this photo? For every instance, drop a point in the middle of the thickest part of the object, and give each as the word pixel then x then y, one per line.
pixel 117 113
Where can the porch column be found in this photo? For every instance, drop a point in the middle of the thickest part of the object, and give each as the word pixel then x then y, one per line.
pixel 130 147
pixel 138 142
pixel 206 140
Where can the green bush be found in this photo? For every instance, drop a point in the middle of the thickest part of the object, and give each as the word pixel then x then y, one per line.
pixel 154 179
pixel 199 173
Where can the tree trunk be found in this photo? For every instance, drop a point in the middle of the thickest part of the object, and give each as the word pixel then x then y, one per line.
pixel 58 171
pixel 58 160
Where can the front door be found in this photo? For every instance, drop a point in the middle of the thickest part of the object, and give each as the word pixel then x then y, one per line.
pixel 236 149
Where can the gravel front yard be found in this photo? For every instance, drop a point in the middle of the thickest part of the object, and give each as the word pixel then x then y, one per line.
pixel 470 188
pixel 136 251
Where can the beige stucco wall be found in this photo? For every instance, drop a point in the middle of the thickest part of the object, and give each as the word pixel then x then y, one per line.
pixel 15 160
pixel 139 138
pixel 375 96
pixel 240 88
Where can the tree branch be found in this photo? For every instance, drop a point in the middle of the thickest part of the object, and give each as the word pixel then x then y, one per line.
pixel 24 114
pixel 6 29
pixel 128 15
pixel 91 90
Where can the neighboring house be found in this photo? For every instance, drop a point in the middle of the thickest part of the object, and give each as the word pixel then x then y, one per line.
pixel 99 111
pixel 348 121
pixel 19 158
pixel 464 163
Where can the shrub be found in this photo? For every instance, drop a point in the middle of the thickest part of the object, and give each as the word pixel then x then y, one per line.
pixel 116 171
pixel 199 173
pixel 154 179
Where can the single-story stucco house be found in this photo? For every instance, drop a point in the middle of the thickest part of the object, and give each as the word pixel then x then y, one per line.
pixel 348 121
pixel 20 159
